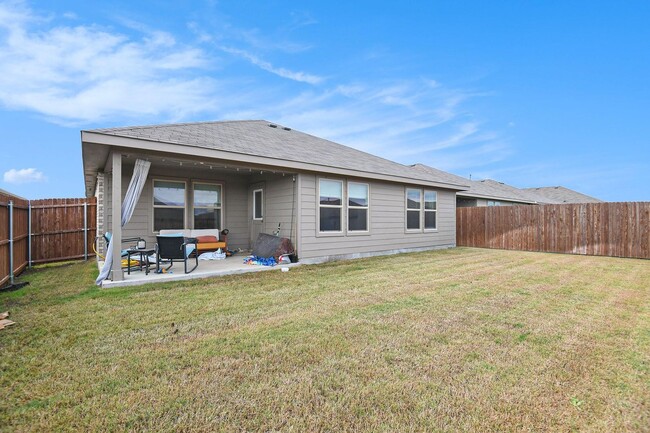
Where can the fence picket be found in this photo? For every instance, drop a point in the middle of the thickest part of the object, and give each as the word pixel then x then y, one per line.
pixel 56 232
pixel 604 229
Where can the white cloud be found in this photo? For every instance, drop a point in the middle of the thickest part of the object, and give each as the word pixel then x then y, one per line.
pixel 25 175
pixel 404 120
pixel 281 72
pixel 88 73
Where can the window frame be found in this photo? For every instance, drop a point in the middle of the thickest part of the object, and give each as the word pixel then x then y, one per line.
pixel 425 210
pixel 154 205
pixel 407 210
pixel 348 207
pixel 190 209
pixel 341 232
pixel 261 191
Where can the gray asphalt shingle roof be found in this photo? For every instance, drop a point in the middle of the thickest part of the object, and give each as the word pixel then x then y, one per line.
pixel 257 138
pixel 498 190
pixel 482 188
pixel 439 174
pixel 560 194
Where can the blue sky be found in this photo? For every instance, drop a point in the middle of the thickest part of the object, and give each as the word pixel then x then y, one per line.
pixel 529 93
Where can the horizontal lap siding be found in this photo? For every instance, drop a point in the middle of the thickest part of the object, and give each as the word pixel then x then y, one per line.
pixel 236 213
pixel 141 223
pixel 387 223
pixel 279 203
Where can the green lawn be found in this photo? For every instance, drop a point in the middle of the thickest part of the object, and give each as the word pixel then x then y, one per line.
pixel 455 340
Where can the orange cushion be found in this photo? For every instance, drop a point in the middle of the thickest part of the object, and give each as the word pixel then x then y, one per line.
pixel 210 245
pixel 206 239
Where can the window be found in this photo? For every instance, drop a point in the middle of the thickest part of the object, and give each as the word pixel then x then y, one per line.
pixel 207 206
pixel 258 204
pixel 168 205
pixel 330 205
pixel 493 203
pixel 430 209
pixel 413 208
pixel 357 207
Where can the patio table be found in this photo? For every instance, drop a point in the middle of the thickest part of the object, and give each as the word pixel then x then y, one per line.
pixel 143 260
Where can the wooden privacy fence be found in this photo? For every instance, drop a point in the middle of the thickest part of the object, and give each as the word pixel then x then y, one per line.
pixel 601 229
pixel 42 231
pixel 14 236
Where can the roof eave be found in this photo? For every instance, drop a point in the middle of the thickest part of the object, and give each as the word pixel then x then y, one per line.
pixel 495 197
pixel 185 149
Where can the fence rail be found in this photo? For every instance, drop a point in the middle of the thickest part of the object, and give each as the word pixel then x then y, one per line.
pixel 602 229
pixel 42 231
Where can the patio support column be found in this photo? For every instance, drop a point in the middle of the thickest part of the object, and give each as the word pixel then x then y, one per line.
pixel 116 217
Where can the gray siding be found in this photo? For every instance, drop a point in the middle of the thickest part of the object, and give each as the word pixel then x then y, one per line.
pixel 387 223
pixel 141 224
pixel 281 195
pixel 280 204
pixel 484 202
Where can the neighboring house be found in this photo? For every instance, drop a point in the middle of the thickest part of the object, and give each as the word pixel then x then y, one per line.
pixel 560 194
pixel 332 201
pixel 483 192
pixel 490 192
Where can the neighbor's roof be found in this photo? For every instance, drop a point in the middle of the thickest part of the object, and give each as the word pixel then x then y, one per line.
pixel 278 145
pixel 487 189
pixel 492 189
pixel 560 194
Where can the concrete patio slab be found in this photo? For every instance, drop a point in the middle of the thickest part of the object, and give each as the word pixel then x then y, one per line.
pixel 206 269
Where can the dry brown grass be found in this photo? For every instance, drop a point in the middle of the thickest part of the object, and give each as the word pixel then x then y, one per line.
pixel 457 340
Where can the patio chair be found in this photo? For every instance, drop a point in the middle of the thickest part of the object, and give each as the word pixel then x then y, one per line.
pixel 123 252
pixel 175 249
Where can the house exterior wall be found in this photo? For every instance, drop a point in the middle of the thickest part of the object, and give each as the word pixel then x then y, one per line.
pixel 141 223
pixel 288 201
pixel 100 193
pixel 466 202
pixel 387 223
pixel 280 203
pixel 237 203
pixel 482 202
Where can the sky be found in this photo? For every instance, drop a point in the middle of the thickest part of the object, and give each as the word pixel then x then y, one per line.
pixel 530 93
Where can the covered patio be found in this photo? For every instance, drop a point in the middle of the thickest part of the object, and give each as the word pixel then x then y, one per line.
pixel 206 269
pixel 248 199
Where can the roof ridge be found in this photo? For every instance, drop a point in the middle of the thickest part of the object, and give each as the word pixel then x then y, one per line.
pixel 350 147
pixel 168 125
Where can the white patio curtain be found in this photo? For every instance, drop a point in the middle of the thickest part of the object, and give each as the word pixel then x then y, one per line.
pixel 140 172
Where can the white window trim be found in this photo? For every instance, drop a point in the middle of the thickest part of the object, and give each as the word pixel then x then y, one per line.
pixel 407 210
pixel 319 233
pixel 348 207
pixel 425 210
pixel 191 206
pixel 261 190
pixel 154 206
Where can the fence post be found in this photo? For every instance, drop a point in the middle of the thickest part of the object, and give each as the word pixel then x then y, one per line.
pixel 29 234
pixel 10 208
pixel 85 231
